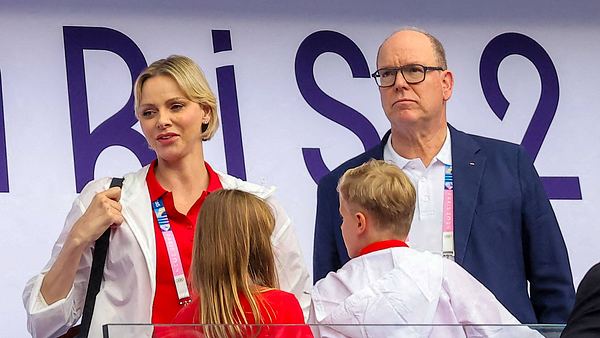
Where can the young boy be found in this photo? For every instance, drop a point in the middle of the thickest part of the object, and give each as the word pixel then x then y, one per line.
pixel 386 282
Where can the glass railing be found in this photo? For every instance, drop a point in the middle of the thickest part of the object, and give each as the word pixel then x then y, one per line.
pixel 375 330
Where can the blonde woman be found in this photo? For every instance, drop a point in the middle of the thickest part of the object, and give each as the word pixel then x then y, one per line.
pixel 233 271
pixel 145 278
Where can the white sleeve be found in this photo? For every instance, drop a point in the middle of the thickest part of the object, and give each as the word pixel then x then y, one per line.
pixel 291 268
pixel 312 321
pixel 45 320
pixel 473 303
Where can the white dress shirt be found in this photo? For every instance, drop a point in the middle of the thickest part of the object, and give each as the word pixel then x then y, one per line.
pixel 426 228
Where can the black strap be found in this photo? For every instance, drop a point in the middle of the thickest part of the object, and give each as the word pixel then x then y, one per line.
pixel 98 260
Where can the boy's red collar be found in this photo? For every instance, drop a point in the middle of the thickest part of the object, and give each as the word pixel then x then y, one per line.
pixel 381 245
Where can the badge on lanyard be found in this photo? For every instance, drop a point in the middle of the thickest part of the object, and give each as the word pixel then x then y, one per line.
pixel 448 215
pixel 172 250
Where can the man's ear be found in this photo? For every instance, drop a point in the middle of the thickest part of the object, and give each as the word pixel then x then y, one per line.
pixel 447 84
pixel 361 222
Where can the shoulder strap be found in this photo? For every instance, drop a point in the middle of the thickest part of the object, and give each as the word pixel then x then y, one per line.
pixel 98 260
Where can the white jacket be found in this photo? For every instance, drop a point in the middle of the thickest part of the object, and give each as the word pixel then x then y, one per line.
pixel 127 290
pixel 398 286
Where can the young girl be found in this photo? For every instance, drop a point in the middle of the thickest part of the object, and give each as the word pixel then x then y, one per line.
pixel 233 271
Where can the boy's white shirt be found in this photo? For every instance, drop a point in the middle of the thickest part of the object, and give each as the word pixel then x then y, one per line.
pixel 405 286
pixel 129 281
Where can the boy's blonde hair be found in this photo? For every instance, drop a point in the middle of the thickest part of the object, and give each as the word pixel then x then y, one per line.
pixel 232 256
pixel 192 82
pixel 384 191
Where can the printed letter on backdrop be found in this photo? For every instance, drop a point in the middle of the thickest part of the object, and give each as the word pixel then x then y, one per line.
pixel 3 161
pixel 309 50
pixel 116 130
pixel 230 113
pixel 498 49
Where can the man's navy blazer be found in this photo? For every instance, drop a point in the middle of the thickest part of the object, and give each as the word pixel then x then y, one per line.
pixel 505 231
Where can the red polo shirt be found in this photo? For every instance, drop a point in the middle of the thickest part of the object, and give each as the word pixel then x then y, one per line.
pixel 276 307
pixel 166 302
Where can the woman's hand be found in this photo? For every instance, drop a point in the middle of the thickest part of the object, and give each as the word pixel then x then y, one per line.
pixel 104 211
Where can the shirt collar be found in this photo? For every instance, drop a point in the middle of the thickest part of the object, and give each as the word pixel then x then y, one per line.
pixel 382 245
pixel 444 155
pixel 391 155
pixel 156 190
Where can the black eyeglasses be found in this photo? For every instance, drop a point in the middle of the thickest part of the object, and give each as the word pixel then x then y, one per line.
pixel 412 74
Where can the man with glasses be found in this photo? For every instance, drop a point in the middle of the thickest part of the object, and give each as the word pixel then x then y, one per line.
pixel 480 201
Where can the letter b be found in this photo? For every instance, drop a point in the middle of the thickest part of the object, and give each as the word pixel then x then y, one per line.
pixel 116 130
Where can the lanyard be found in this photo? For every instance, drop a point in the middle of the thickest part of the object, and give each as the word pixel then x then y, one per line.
pixel 172 250
pixel 448 215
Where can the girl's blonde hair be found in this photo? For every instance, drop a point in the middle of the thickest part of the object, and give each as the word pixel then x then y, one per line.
pixel 232 255
pixel 192 82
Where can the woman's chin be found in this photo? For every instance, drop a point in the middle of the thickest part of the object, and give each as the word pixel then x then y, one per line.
pixel 169 156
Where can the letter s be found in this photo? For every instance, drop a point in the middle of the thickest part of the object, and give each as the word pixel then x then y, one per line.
pixel 309 50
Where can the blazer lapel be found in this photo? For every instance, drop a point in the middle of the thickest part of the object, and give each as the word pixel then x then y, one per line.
pixel 468 164
pixel 377 151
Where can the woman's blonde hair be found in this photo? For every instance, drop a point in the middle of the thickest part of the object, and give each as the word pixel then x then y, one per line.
pixel 384 191
pixel 192 82
pixel 232 255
